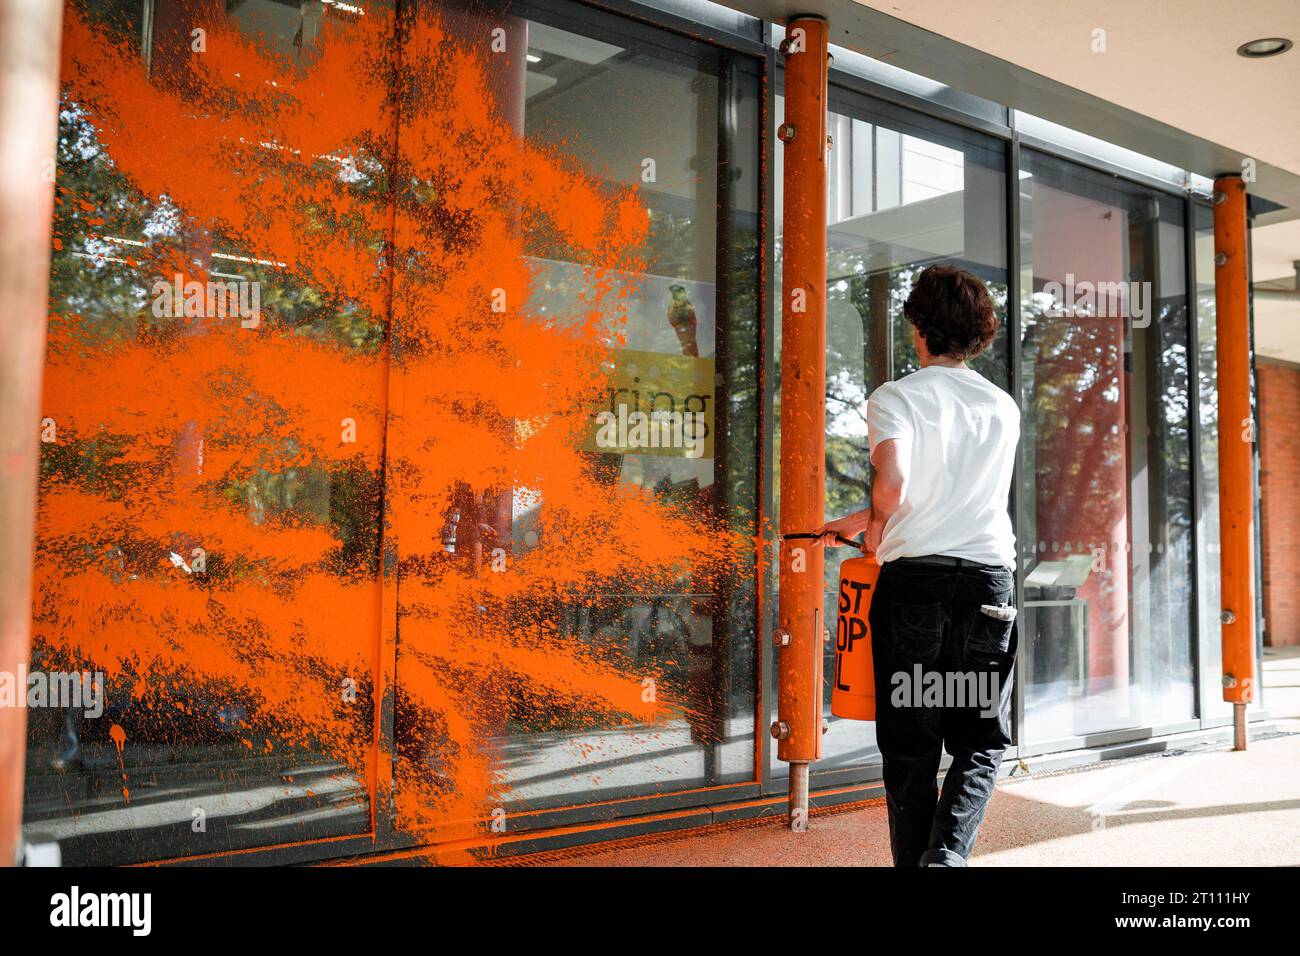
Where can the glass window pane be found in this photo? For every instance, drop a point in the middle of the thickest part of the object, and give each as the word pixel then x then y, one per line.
pixel 209 525
pixel 1209 600
pixel 903 193
pixel 508 269
pixel 1106 498
pixel 671 318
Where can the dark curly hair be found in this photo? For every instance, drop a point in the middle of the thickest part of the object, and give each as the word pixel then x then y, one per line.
pixel 952 311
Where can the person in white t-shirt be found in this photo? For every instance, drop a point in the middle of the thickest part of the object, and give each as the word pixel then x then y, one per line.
pixel 943 444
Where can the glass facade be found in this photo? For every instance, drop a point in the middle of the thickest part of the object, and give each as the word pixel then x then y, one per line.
pixel 1105 529
pixel 686 139
pixel 1207 406
pixel 210 498
pixel 903 192
pixel 414 420
pixel 306 626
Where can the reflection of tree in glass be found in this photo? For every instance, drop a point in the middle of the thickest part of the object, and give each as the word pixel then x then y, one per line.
pixel 869 341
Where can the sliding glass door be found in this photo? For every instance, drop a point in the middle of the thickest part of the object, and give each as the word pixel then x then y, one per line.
pixel 1105 504
pixel 208 541
pixel 602 649
pixel 904 191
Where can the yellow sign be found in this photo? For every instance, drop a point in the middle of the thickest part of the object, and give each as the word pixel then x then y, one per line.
pixel 655 404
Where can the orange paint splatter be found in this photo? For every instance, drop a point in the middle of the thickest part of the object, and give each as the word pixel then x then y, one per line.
pixel 118 736
pixel 175 435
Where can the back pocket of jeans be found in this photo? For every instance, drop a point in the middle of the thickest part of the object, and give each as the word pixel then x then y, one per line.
pixel 989 639
pixel 916 630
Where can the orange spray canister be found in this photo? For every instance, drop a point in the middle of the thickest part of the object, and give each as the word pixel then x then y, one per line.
pixel 854 692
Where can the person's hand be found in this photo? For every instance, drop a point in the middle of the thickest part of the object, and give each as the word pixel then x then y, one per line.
pixel 847 527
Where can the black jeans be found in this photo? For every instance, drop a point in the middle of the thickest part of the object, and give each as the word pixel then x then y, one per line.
pixel 927 631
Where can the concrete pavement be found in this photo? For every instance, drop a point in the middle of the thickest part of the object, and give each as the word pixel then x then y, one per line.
pixel 1208 806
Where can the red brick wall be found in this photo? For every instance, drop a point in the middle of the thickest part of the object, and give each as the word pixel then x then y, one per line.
pixel 1279 467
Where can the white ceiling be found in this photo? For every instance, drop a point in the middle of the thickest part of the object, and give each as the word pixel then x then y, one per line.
pixel 1172 60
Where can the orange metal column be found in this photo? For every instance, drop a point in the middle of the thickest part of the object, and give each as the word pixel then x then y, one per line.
pixel 1236 450
pixel 29 104
pixel 798 728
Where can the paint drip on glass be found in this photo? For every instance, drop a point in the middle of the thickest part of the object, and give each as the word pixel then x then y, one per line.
pixel 118 736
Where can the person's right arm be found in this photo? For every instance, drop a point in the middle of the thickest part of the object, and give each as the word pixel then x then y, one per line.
pixel 890 431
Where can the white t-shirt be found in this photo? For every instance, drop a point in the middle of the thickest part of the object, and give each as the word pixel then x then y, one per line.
pixel 958 432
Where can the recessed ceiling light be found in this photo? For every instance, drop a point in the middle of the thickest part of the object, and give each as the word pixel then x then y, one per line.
pixel 1269 46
